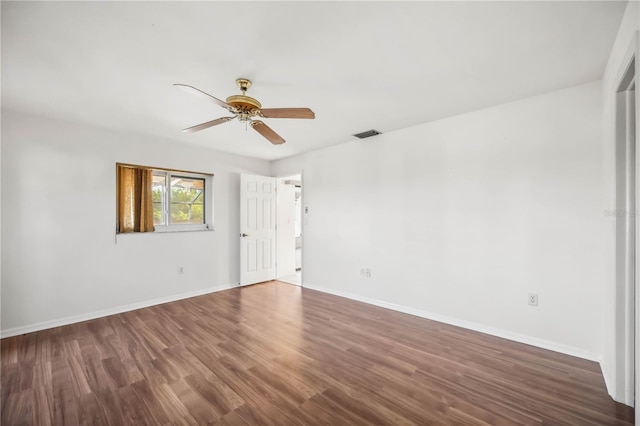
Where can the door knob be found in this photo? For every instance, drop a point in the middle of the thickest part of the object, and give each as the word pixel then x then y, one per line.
pixel 244 235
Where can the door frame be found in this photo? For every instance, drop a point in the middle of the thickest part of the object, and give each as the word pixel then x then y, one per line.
pixel 627 244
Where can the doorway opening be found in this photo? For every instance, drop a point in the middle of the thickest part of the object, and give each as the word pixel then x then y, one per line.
pixel 289 230
pixel 626 234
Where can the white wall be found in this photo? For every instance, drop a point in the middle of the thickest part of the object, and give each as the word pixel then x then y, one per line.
pixel 60 260
pixel 613 299
pixel 461 218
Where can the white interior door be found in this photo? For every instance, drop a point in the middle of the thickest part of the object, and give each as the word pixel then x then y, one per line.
pixel 257 229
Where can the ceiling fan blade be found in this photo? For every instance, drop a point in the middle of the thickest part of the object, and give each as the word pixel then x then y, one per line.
pixel 287 113
pixel 267 132
pixel 200 93
pixel 208 124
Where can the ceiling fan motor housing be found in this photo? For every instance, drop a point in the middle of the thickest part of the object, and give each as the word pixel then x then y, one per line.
pixel 242 101
pixel 245 106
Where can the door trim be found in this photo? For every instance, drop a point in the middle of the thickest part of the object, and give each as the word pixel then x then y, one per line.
pixel 626 374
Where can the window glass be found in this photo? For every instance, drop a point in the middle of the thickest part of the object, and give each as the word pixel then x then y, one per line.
pixel 187 200
pixel 158 192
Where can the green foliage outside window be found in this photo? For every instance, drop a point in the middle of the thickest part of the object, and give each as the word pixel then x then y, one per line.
pixel 187 206
pixel 157 205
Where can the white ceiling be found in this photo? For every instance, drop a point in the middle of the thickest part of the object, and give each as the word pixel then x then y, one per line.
pixel 358 65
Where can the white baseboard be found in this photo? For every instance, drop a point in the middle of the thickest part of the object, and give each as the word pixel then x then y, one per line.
pixel 106 312
pixel 626 398
pixel 610 383
pixel 505 334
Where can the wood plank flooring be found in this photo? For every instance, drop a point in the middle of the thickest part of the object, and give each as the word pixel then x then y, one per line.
pixel 276 354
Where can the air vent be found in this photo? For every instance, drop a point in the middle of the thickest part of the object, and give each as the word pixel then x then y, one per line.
pixel 367 134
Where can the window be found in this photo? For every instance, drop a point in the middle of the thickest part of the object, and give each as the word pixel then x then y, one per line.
pixel 179 201
pixel 178 198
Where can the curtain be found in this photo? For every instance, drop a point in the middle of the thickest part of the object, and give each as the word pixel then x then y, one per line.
pixel 135 201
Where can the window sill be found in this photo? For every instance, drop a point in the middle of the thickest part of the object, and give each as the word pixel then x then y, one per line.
pixel 182 228
pixel 167 231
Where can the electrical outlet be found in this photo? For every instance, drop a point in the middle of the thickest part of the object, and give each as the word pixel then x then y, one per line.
pixel 368 273
pixel 533 299
pixel 362 272
pixel 180 270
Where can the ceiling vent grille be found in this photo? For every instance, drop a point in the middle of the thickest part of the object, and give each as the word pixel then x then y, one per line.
pixel 367 134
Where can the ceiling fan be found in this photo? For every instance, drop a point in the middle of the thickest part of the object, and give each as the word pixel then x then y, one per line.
pixel 247 109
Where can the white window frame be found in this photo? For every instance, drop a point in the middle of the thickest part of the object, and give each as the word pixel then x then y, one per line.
pixel 208 202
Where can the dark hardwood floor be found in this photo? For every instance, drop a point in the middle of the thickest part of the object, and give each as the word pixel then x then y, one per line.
pixel 276 354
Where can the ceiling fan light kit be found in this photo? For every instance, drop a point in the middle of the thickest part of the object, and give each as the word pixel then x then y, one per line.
pixel 247 109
